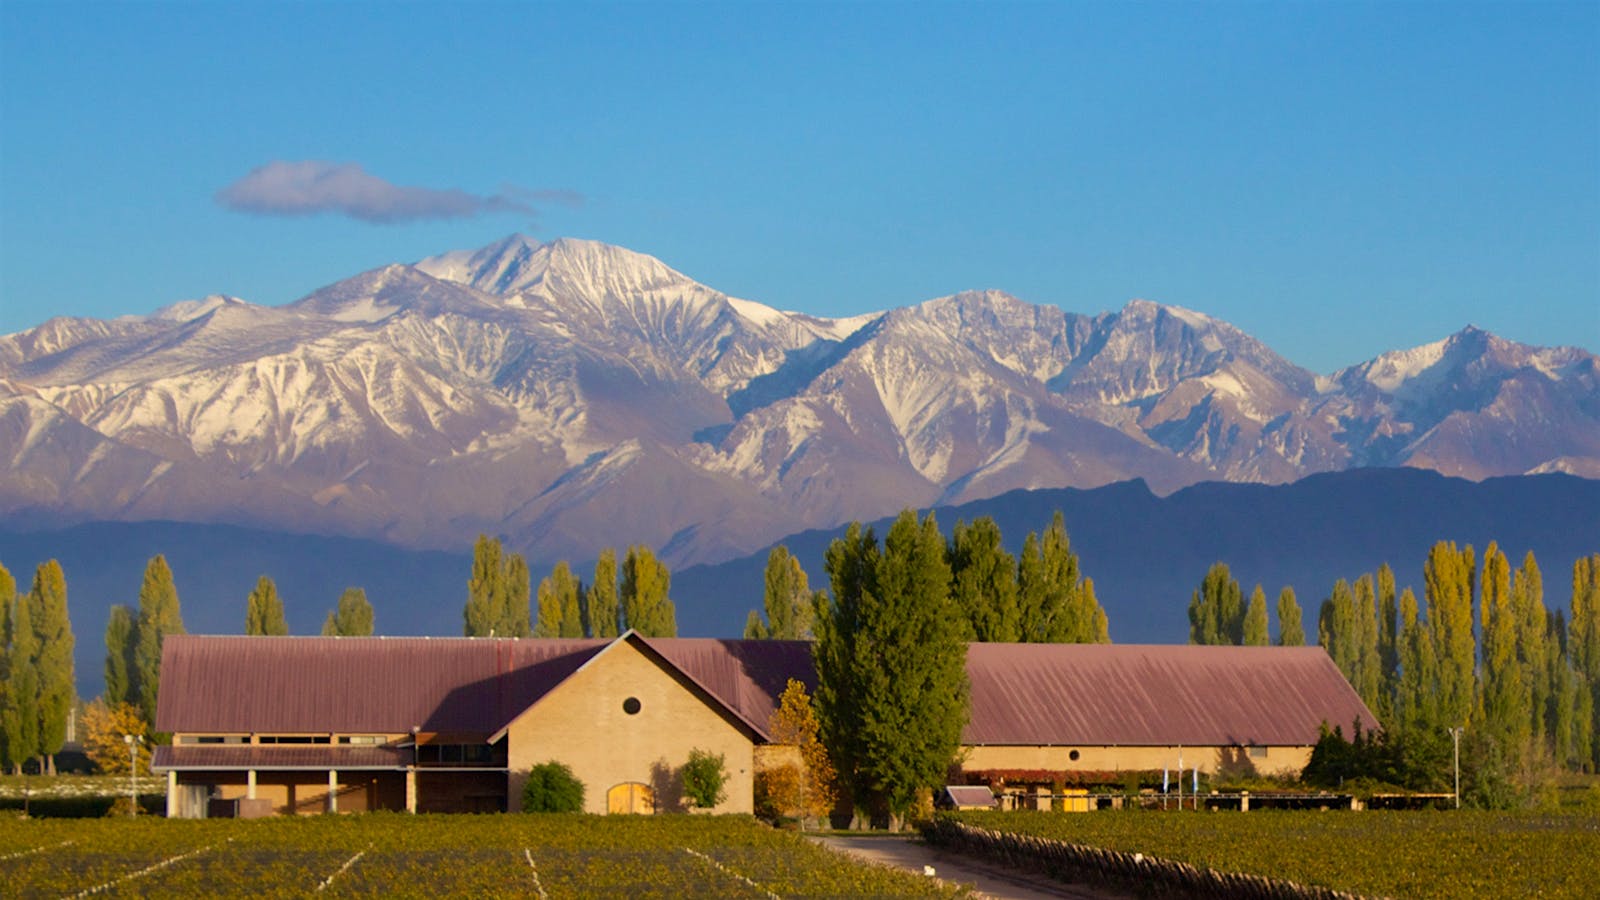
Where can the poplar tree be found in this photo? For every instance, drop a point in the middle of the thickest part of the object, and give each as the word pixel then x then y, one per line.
pixel 1417 697
pixel 1538 651
pixel 600 606
pixel 19 721
pixel 487 590
pixel 898 639
pixel 1053 604
pixel 120 636
pixel 1502 697
pixel 840 657
pixel 263 613
pixel 352 618
pixel 8 599
pixel 1216 609
pixel 1291 630
pixel 1583 641
pixel 53 633
pixel 1256 627
pixel 1369 661
pixel 558 604
pixel 1388 640
pixel 646 606
pixel 786 598
pixel 1448 580
pixel 159 616
pixel 984 581
pixel 1337 630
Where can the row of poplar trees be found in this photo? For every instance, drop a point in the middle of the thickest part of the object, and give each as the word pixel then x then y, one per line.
pixel 1480 651
pixel 892 692
pixel 637 597
pixel 36 676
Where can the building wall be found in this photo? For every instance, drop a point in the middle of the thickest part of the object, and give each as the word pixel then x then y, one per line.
pixel 1266 760
pixel 582 723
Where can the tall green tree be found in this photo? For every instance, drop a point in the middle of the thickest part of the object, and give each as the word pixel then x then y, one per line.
pixel 1216 609
pixel 1583 642
pixel 121 628
pixel 984 581
pixel 894 632
pixel 159 616
pixel 1256 627
pixel 600 611
pixel 8 601
pixel 518 620
pixel 1338 631
pixel 1291 629
pixel 646 606
pixel 1369 658
pixel 1054 605
pixel 1416 697
pixel 851 563
pixel 52 628
pixel 352 618
pixel 559 614
pixel 1538 657
pixel 787 599
pixel 1502 722
pixel 263 610
pixel 19 720
pixel 1388 641
pixel 1448 582
pixel 488 601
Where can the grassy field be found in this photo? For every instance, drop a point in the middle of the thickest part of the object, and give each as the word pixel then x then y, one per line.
pixel 398 855
pixel 1397 854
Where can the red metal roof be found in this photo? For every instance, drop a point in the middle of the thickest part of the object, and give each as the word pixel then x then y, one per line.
pixel 1147 695
pixel 1057 694
pixel 236 756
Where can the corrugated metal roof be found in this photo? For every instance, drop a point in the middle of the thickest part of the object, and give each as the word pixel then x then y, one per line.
pixel 1058 694
pixel 236 756
pixel 349 685
pixel 1148 695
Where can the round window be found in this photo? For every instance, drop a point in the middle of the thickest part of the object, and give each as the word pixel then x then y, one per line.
pixel 631 706
pixel 1073 756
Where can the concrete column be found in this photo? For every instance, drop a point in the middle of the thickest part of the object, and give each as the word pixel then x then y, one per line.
pixel 1244 801
pixel 411 789
pixel 333 790
pixel 172 793
pixel 250 784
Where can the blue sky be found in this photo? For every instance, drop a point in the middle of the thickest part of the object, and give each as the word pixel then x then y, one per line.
pixel 1336 179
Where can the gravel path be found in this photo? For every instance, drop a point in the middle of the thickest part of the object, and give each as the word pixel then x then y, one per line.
pixel 908 852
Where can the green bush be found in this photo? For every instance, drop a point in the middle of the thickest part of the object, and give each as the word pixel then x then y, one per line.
pixel 552 787
pixel 705 778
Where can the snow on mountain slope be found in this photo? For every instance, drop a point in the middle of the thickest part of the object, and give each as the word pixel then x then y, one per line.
pixel 569 395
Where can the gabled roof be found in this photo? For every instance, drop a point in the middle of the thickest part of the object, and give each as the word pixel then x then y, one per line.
pixel 1027 694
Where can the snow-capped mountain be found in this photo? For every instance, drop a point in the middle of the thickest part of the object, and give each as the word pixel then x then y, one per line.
pixel 572 395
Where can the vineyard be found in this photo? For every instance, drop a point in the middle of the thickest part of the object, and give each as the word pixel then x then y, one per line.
pixel 1393 854
pixel 397 855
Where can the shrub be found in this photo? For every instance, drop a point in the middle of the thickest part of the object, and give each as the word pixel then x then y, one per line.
pixel 552 787
pixel 705 778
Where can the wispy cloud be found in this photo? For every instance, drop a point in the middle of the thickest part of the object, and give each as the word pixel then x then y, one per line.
pixel 308 187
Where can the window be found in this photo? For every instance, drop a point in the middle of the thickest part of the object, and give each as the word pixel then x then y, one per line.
pixel 631 706
pixel 211 739
pixel 1258 752
pixel 294 739
pixel 367 739
pixel 455 754
pixel 1073 756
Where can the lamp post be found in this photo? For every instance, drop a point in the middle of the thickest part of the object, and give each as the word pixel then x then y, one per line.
pixel 1455 735
pixel 133 742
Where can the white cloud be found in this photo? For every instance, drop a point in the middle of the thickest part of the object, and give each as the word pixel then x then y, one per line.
pixel 308 187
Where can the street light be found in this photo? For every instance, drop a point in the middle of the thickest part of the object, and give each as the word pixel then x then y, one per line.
pixel 1455 734
pixel 133 741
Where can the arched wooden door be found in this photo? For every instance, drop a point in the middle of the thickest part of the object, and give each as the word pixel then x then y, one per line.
pixel 630 797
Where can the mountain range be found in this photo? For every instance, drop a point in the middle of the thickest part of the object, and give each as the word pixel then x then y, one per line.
pixel 572 395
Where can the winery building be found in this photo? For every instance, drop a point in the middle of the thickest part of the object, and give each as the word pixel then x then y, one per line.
pixel 297 725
